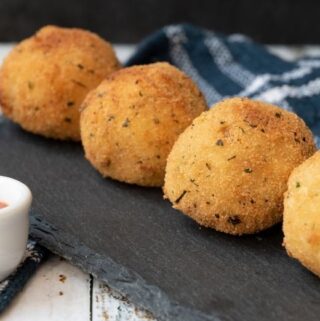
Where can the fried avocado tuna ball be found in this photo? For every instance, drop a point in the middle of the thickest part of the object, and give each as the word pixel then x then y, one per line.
pixel 45 78
pixel 301 217
pixel 130 122
pixel 229 169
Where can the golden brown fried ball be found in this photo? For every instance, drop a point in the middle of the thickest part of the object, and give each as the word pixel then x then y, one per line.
pixel 229 169
pixel 45 78
pixel 301 217
pixel 130 122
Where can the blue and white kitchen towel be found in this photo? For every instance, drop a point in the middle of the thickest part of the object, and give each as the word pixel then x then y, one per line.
pixel 222 66
pixel 234 65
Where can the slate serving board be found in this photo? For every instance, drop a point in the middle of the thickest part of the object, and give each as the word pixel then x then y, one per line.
pixel 161 260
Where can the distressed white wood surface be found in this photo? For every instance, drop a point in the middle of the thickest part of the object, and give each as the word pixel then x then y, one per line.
pixel 108 305
pixel 59 291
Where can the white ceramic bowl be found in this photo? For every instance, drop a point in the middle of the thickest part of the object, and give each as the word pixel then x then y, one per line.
pixel 14 224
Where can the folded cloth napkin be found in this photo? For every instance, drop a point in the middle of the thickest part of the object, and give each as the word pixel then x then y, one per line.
pixel 222 66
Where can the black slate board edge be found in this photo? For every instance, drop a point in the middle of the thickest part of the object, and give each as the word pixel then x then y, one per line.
pixel 126 282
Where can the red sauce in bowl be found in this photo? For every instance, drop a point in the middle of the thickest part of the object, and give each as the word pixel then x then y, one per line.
pixel 3 205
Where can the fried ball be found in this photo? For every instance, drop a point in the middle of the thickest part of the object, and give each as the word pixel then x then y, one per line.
pixel 45 78
pixel 301 217
pixel 130 122
pixel 229 169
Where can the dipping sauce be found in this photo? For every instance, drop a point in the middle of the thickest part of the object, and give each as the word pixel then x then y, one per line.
pixel 3 205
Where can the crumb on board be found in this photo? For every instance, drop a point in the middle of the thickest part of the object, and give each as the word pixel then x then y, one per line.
pixel 105 315
pixel 62 278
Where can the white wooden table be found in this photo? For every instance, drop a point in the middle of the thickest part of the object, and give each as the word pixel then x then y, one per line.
pixel 61 292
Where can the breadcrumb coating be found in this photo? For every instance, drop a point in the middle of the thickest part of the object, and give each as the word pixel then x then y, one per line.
pixel 301 217
pixel 229 169
pixel 45 78
pixel 131 121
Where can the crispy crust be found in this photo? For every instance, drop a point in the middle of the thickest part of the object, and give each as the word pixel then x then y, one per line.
pixel 229 169
pixel 130 122
pixel 45 78
pixel 301 219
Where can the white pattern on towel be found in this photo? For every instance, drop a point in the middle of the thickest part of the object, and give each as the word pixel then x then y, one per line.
pixel 225 62
pixel 278 94
pixel 181 59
